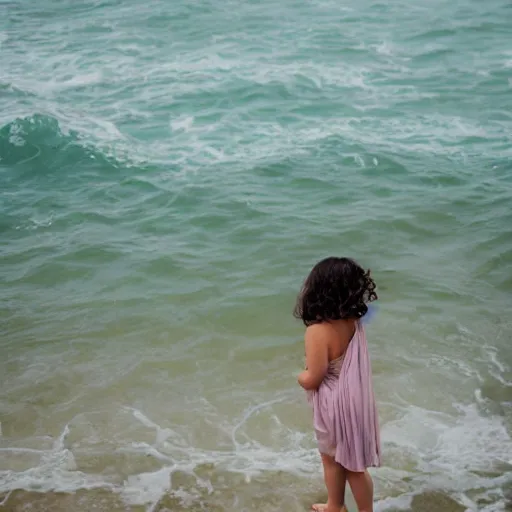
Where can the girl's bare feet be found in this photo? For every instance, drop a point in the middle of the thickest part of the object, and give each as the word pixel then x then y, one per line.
pixel 322 507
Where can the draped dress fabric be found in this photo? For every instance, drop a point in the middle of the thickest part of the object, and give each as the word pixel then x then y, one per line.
pixel 344 411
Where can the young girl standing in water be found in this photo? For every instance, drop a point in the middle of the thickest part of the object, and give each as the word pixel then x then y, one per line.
pixel 338 379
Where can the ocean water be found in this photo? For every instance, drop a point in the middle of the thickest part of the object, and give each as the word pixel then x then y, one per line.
pixel 169 173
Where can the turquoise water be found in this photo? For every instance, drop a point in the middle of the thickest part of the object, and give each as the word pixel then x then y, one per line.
pixel 169 173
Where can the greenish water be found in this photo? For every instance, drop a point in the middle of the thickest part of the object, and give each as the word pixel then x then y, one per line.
pixel 170 171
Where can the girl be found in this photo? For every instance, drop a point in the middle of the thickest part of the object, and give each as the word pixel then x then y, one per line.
pixel 338 378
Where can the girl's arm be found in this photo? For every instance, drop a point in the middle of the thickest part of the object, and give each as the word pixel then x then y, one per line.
pixel 317 358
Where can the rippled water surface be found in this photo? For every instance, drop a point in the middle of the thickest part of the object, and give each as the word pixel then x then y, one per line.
pixel 170 171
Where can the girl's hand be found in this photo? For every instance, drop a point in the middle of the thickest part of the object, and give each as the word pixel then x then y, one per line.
pixel 304 379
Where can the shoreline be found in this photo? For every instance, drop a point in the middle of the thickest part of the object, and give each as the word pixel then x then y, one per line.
pixel 102 499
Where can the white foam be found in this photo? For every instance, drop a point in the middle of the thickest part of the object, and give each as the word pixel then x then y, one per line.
pixel 41 223
pixel 147 449
pixel 448 450
pixel 183 123
pixel 497 367
pixel 56 472
pixel 147 488
pixel 77 80
pixel 162 434
pixel 384 48
pixel 16 135
pixel 4 501
pixel 96 128
pixel 248 413
pixel 397 503
pixel 452 450
pixel 474 443
pixel 249 459
pixel 21 449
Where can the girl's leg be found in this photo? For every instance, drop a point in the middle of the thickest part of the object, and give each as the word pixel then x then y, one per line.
pixel 362 489
pixel 335 479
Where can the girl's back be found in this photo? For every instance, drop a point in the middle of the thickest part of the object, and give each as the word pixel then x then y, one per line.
pixel 338 335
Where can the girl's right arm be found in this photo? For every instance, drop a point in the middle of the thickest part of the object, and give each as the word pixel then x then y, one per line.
pixel 317 358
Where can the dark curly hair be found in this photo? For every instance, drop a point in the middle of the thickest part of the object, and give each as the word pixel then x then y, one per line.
pixel 336 288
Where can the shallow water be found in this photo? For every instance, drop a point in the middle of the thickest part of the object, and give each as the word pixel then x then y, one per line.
pixel 169 173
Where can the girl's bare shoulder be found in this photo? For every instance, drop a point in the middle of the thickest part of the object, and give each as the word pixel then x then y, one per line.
pixel 321 331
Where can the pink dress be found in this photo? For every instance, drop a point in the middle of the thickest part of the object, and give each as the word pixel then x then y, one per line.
pixel 345 415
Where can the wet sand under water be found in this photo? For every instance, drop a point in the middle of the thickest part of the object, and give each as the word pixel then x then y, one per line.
pixel 104 501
